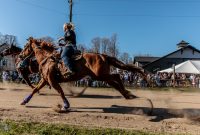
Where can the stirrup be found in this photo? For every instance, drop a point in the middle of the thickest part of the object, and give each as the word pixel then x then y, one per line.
pixel 69 73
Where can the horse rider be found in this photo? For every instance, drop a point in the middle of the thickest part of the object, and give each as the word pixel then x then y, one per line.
pixel 68 48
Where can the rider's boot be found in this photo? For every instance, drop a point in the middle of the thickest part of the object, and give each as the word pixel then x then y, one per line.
pixel 68 73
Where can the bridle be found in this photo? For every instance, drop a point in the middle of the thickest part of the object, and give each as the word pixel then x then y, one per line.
pixel 28 47
pixel 23 56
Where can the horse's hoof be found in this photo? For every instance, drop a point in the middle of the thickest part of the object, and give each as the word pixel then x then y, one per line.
pixel 64 109
pixel 131 97
pixel 61 109
pixel 23 103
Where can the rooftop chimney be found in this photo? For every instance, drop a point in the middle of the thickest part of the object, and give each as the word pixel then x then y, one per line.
pixel 182 44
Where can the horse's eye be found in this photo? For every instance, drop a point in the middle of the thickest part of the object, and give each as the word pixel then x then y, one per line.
pixel 20 56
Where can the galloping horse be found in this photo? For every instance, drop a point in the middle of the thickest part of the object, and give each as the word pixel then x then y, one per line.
pixel 97 66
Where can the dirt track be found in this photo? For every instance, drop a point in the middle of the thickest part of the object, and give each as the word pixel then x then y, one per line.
pixel 174 112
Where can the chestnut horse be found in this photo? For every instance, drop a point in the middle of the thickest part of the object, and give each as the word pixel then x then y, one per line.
pixel 97 66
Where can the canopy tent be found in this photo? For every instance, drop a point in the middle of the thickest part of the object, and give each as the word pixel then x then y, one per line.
pixel 190 66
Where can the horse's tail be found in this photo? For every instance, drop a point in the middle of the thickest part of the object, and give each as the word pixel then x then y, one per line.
pixel 118 64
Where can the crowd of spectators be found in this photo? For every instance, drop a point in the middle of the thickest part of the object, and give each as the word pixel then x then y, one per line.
pixel 10 76
pixel 154 80
pixel 14 76
pixel 128 78
pixel 177 79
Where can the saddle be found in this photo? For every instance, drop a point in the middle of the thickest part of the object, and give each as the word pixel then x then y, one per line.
pixel 55 57
pixel 77 55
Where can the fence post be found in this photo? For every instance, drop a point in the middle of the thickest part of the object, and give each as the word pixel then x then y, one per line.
pixel 174 79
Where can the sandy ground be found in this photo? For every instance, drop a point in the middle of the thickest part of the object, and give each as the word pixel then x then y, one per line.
pixel 174 112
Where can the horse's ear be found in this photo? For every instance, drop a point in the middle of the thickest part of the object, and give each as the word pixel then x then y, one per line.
pixel 49 44
pixel 30 38
pixel 42 44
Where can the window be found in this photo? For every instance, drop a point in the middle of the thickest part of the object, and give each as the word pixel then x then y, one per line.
pixel 4 62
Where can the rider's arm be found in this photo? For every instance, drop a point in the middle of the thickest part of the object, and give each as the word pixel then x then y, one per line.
pixel 60 39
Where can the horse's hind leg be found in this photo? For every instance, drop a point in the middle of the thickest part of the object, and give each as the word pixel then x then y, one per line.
pixel 115 81
pixel 40 85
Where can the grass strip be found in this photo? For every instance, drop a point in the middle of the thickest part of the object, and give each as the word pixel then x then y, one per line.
pixel 9 127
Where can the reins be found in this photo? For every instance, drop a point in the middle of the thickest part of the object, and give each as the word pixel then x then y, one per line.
pixel 29 56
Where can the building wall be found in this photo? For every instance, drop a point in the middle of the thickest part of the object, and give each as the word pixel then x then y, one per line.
pixel 175 58
pixel 165 63
pixel 186 53
pixel 8 63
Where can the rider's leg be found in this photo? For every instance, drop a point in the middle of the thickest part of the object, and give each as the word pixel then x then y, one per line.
pixel 66 55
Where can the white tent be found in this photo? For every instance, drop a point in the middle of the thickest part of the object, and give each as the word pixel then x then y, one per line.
pixel 190 66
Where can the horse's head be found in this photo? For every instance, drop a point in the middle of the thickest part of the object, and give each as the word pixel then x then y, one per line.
pixel 28 49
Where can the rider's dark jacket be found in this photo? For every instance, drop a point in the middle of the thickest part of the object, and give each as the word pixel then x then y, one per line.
pixel 70 37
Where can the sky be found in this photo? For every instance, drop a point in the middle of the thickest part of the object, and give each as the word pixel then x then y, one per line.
pixel 143 27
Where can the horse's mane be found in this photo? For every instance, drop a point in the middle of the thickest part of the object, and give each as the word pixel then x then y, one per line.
pixel 47 46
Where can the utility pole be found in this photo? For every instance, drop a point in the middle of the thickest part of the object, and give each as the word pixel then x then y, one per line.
pixel 70 10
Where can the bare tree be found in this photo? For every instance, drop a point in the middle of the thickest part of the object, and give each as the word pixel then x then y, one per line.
pixel 47 39
pixel 113 48
pixel 90 50
pixel 82 47
pixel 96 42
pixel 104 45
pixel 125 57
pixel 8 39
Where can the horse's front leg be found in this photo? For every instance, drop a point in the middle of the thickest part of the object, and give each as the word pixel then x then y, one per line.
pixel 57 87
pixel 40 85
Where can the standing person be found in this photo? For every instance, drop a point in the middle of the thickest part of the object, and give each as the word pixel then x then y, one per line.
pixel 68 48
pixel 5 76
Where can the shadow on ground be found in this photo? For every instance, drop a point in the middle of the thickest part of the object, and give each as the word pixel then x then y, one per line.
pixel 13 89
pixel 157 115
pixel 83 96
pixel 34 106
